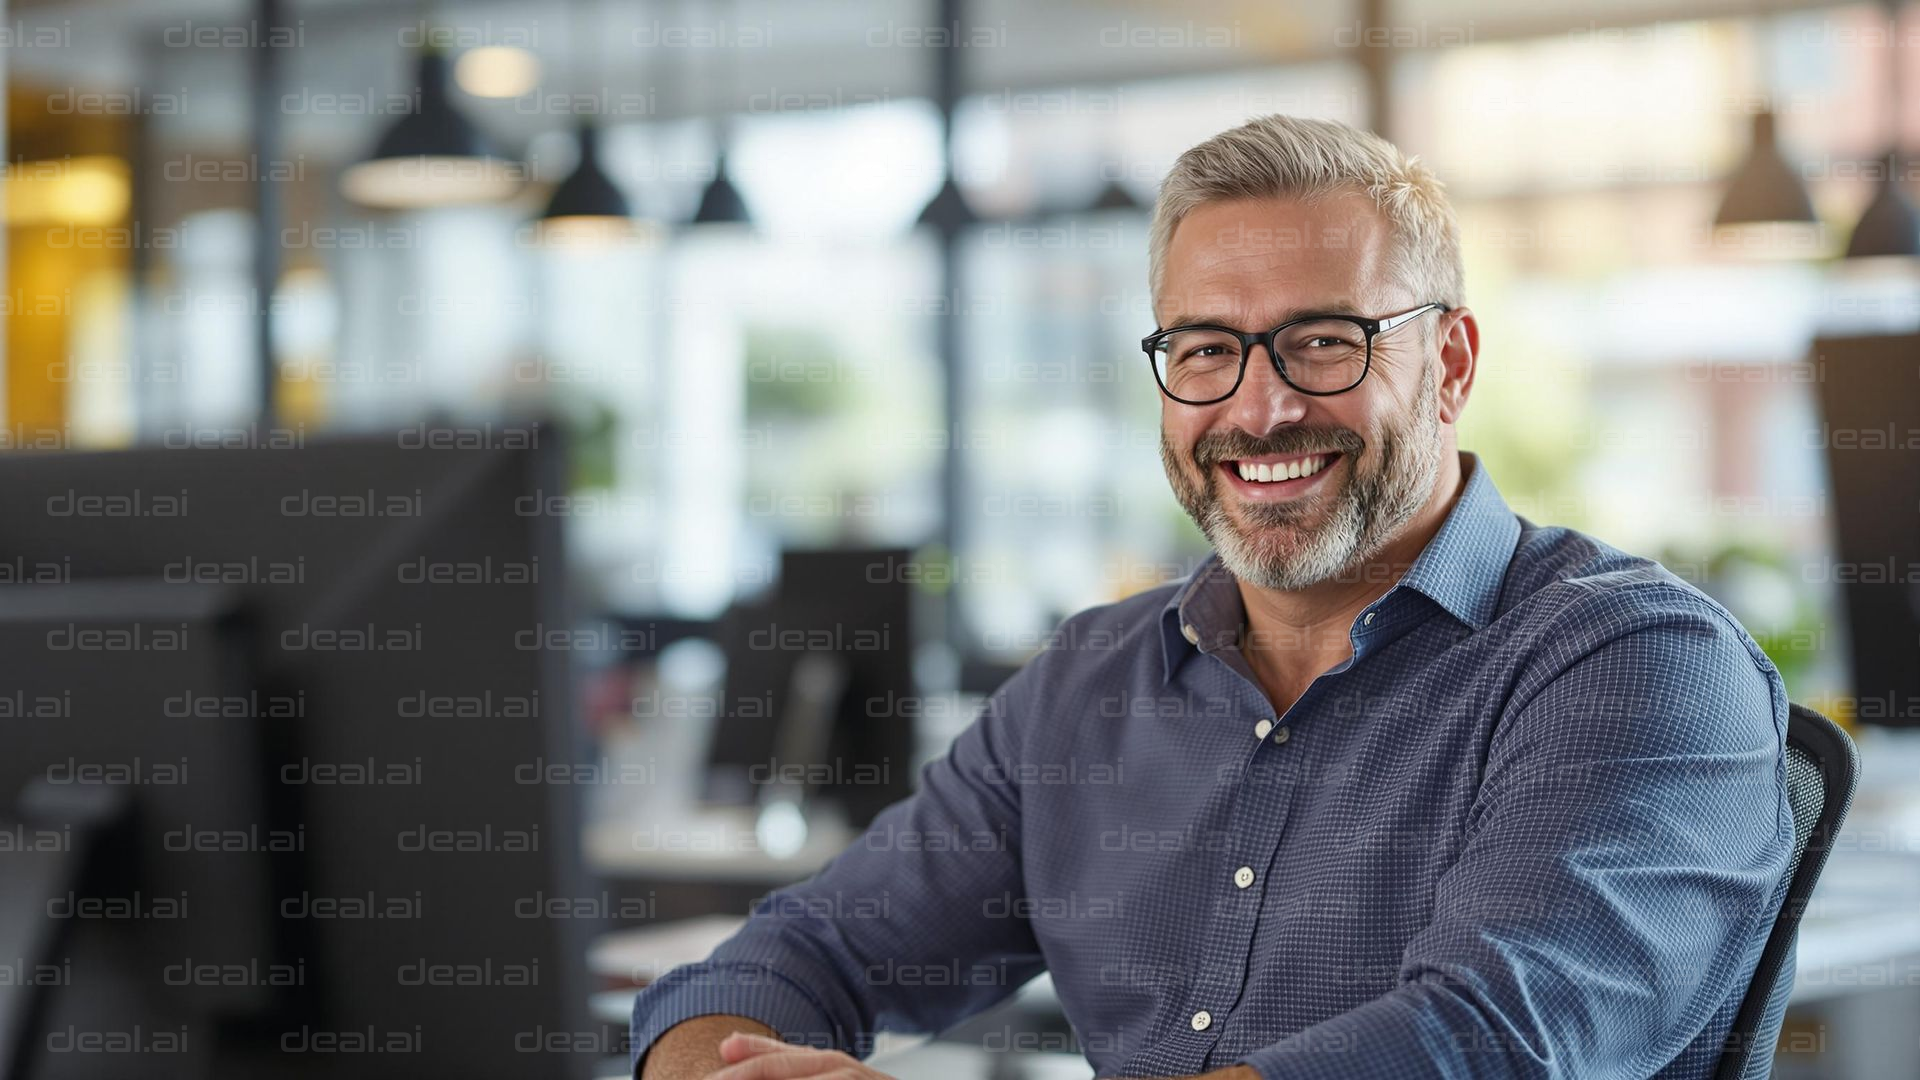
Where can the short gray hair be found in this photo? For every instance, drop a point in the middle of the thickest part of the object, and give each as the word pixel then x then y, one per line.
pixel 1292 157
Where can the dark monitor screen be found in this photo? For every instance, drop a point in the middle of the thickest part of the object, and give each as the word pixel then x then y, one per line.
pixel 398 603
pixel 1869 390
pixel 838 629
pixel 161 724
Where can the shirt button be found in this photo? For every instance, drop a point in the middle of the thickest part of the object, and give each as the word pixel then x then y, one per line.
pixel 1243 877
pixel 1281 734
pixel 1192 635
pixel 1260 729
pixel 1202 1020
pixel 1368 621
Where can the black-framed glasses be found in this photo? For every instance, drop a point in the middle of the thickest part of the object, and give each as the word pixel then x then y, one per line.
pixel 1316 354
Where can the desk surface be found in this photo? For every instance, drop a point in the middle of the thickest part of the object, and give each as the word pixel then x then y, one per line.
pixel 721 845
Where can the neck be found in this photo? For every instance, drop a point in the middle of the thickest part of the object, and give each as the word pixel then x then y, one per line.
pixel 1295 635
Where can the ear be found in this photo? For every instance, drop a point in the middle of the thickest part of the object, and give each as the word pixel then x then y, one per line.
pixel 1459 355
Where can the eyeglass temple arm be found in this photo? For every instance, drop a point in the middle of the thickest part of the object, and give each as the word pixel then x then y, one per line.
pixel 1409 316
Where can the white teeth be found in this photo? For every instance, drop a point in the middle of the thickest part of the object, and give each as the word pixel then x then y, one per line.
pixel 1268 474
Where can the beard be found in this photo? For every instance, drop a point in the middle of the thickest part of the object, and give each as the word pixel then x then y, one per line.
pixel 1279 545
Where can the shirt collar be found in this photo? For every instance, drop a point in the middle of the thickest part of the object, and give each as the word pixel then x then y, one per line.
pixel 1461 569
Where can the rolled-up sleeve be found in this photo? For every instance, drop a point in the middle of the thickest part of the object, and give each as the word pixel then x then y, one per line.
pixel 1618 874
pixel 901 932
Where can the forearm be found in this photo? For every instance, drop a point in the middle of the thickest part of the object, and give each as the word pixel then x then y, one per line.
pixel 1421 1027
pixel 828 961
pixel 691 1048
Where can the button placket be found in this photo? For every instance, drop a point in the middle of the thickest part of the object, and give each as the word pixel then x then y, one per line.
pixel 1258 821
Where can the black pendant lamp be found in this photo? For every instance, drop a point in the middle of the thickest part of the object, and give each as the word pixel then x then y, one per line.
pixel 432 156
pixel 1766 212
pixel 720 203
pixel 947 212
pixel 1765 190
pixel 948 208
pixel 1889 227
pixel 586 206
pixel 1116 196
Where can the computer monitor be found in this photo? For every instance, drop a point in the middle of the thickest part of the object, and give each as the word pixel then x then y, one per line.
pixel 1870 417
pixel 87 866
pixel 819 700
pixel 376 736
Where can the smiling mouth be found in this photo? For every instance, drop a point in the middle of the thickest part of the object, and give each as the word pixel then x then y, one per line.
pixel 1278 470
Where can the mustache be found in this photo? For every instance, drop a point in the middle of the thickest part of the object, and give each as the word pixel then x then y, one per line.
pixel 1231 445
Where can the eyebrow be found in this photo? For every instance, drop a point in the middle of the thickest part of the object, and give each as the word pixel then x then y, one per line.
pixel 1331 307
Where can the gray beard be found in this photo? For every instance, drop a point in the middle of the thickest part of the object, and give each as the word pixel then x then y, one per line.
pixel 1277 549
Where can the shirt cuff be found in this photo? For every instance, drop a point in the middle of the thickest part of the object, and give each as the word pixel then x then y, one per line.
pixel 750 990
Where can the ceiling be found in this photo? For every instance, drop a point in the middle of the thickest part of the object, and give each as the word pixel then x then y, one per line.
pixel 791 54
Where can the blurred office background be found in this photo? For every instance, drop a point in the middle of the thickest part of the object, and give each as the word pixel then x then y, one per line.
pixel 869 275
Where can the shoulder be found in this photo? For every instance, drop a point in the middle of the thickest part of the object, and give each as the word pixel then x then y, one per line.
pixel 1617 637
pixel 1575 593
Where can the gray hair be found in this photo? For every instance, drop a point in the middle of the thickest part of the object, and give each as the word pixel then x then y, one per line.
pixel 1292 157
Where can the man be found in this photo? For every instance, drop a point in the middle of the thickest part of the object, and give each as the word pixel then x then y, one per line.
pixel 1396 784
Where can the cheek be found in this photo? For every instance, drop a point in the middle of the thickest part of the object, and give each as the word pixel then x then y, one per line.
pixel 1363 418
pixel 1179 432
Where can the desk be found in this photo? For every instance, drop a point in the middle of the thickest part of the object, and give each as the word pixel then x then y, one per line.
pixel 1857 985
pixel 1861 931
pixel 647 952
pixel 716 845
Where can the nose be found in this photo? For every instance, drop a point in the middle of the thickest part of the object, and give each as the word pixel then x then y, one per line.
pixel 1264 400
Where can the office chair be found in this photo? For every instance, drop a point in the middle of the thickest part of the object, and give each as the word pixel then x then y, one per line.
pixel 1821 769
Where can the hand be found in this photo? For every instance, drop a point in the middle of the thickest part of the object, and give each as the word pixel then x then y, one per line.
pixel 756 1057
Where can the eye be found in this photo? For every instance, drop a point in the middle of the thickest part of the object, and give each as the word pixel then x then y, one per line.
pixel 1200 347
pixel 1325 335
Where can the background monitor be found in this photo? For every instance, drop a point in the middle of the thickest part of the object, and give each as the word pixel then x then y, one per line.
pixel 819 688
pixel 378 738
pixel 1869 391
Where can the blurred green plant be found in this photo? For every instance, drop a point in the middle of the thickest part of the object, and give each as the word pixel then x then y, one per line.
pixel 592 429
pixel 792 372
pixel 1755 582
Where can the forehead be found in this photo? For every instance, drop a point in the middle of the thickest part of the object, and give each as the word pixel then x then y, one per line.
pixel 1247 261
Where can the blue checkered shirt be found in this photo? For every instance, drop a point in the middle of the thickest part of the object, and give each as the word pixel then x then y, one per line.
pixel 1536 826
